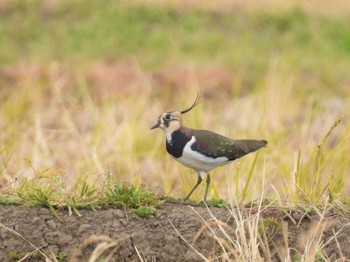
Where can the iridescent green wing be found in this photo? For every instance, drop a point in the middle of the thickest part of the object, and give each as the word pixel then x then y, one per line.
pixel 214 145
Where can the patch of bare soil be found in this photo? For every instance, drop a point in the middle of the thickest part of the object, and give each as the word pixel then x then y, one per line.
pixel 155 239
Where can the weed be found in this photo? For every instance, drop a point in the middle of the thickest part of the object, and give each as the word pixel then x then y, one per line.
pixel 36 254
pixel 83 195
pixel 14 255
pixel 130 197
pixel 217 202
pixel 7 200
pixel 144 211
pixel 38 196
pixel 61 256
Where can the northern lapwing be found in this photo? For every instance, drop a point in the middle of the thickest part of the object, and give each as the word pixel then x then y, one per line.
pixel 201 150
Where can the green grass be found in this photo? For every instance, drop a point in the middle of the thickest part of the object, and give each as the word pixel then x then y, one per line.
pixel 61 256
pixel 86 32
pixel 218 203
pixel 14 255
pixel 141 201
pixel 144 211
pixel 81 83
pixel 37 192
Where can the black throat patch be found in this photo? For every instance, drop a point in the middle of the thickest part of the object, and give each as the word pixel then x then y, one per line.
pixel 179 139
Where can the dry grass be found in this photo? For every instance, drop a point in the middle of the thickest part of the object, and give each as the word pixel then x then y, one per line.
pixel 59 131
pixel 255 238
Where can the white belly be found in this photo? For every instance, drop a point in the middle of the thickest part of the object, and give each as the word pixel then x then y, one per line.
pixel 198 161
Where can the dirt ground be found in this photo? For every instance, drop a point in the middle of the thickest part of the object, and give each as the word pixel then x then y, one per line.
pixel 154 239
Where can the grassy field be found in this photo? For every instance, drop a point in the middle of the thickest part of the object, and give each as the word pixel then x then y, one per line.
pixel 82 82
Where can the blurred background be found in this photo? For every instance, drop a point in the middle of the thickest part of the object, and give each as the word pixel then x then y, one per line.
pixel 82 82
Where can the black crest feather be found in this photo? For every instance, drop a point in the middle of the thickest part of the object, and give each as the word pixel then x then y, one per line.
pixel 195 103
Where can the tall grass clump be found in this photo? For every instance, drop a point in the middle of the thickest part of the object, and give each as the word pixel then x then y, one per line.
pixel 260 234
pixel 310 183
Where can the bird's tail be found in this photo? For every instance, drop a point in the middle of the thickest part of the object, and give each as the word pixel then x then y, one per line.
pixel 247 146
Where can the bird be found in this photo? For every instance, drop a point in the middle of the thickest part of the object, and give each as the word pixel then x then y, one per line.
pixel 201 150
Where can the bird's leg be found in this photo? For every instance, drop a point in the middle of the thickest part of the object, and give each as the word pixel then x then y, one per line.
pixel 207 187
pixel 195 186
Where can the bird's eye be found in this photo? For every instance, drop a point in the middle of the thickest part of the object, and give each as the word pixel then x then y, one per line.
pixel 167 117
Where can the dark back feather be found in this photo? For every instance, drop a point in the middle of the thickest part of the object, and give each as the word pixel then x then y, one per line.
pixel 214 145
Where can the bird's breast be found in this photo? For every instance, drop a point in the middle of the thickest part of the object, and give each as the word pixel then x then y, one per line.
pixel 176 142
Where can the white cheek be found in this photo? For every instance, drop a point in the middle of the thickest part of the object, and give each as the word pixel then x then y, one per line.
pixel 168 133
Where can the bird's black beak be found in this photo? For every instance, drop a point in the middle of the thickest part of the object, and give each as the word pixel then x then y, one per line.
pixel 155 126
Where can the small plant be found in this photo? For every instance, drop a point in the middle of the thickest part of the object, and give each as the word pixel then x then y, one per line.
pixel 61 256
pixel 4 200
pixel 144 211
pixel 217 202
pixel 311 211
pixel 14 255
pixel 39 196
pixel 83 195
pixel 36 254
pixel 130 197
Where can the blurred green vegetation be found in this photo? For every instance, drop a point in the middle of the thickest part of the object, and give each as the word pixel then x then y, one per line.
pixel 93 30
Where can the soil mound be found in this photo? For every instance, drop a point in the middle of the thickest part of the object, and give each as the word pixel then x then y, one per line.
pixel 159 238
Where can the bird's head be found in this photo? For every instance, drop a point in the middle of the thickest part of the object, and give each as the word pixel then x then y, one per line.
pixel 172 121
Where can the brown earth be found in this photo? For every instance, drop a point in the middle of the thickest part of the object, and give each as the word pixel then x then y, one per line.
pixel 155 238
